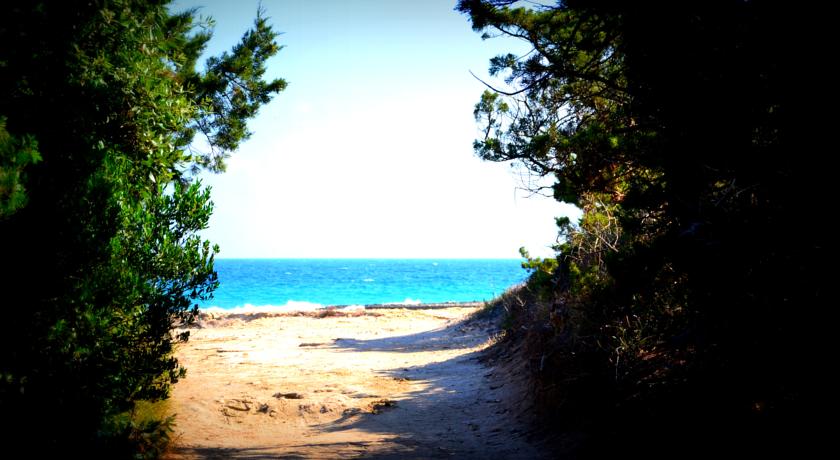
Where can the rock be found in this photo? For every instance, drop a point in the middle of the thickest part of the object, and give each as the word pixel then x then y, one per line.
pixel 288 395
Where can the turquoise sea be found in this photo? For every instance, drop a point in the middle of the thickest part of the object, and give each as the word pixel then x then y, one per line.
pixel 311 283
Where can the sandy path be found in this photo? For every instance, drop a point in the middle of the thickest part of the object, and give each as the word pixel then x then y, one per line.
pixel 403 384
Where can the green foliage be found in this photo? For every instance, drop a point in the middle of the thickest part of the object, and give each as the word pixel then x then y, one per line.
pixel 232 90
pixel 679 133
pixel 541 273
pixel 15 155
pixel 130 435
pixel 100 210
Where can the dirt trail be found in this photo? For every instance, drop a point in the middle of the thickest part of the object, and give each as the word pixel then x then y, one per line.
pixel 393 383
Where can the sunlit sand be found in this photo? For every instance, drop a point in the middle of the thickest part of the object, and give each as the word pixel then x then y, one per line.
pixel 385 383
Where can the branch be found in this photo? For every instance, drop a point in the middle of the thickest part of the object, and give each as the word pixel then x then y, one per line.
pixel 506 93
pixel 498 90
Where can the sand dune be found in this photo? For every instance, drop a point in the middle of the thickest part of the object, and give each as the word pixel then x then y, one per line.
pixel 385 383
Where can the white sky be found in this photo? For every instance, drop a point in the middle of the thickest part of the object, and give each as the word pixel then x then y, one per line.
pixel 368 152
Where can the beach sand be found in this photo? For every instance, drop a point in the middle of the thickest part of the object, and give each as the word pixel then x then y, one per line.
pixel 379 383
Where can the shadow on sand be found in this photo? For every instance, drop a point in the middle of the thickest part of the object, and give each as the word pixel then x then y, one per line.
pixel 455 408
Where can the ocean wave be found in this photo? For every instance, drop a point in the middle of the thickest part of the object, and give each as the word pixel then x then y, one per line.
pixel 290 306
pixel 297 306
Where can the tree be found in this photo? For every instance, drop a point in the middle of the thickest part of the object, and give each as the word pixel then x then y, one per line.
pixel 679 131
pixel 100 206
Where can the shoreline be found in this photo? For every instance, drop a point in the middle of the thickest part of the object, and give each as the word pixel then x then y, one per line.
pixel 411 306
pixel 254 312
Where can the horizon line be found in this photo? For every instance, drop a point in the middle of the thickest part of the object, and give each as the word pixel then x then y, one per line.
pixel 367 258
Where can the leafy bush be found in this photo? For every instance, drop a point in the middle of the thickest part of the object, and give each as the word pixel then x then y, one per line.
pixel 688 291
pixel 144 433
pixel 100 209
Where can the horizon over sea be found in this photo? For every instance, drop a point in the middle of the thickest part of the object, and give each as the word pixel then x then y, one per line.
pixel 306 284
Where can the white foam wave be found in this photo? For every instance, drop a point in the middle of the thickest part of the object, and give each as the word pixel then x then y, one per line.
pixel 410 301
pixel 290 306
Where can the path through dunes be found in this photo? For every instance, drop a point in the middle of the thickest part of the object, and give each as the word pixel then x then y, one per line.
pixel 392 383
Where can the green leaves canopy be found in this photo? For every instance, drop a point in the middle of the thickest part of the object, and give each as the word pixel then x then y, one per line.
pixel 99 206
pixel 687 134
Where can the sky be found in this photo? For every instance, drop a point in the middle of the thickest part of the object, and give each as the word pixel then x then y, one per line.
pixel 368 152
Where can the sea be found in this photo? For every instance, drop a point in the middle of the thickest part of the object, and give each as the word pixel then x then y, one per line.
pixel 306 284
